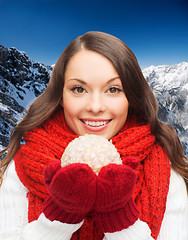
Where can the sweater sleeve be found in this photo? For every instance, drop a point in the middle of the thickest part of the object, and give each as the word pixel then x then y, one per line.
pixel 175 221
pixel 14 214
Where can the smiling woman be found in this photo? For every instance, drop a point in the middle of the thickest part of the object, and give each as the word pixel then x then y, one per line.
pixel 93 97
pixel 96 87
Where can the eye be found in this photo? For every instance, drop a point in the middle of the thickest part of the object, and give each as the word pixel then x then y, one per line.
pixel 78 89
pixel 114 90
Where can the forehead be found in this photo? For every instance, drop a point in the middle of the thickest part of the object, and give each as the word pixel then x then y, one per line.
pixel 87 63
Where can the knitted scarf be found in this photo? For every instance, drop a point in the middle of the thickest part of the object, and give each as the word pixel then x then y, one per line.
pixel 47 143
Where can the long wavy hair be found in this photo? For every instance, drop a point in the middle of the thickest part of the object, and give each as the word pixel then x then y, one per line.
pixel 142 102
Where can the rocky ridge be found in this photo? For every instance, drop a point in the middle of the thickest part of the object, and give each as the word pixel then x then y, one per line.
pixel 21 81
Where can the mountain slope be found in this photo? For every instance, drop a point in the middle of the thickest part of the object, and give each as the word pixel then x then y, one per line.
pixel 170 86
pixel 21 81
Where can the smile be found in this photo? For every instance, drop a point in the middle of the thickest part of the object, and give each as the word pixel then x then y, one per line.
pixel 96 123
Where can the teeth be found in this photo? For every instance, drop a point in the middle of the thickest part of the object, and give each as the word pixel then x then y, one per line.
pixel 96 124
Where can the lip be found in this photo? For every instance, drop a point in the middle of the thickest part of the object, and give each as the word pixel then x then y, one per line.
pixel 95 128
pixel 95 119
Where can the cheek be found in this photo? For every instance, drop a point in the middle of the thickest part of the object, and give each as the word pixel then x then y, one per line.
pixel 120 108
pixel 123 110
pixel 72 106
pixel 121 116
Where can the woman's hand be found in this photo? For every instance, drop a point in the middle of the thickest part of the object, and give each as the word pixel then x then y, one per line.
pixel 114 208
pixel 72 192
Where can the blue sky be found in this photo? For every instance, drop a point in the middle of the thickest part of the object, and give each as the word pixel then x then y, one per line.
pixel 156 31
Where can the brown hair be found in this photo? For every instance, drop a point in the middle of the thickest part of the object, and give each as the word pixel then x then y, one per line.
pixel 142 102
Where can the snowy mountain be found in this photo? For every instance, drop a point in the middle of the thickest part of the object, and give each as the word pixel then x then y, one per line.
pixel 170 86
pixel 22 80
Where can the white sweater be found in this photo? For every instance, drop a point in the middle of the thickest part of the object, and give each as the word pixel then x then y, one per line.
pixel 14 220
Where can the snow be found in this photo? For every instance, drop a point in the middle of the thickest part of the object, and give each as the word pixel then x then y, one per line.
pixel 3 107
pixel 28 98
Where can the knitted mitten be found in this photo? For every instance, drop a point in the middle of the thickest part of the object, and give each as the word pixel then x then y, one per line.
pixel 72 192
pixel 131 161
pixel 114 208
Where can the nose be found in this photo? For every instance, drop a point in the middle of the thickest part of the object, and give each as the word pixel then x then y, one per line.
pixel 96 103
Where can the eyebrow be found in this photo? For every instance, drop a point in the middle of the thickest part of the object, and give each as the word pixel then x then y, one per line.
pixel 83 82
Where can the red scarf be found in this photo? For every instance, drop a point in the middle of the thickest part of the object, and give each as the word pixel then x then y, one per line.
pixel 48 142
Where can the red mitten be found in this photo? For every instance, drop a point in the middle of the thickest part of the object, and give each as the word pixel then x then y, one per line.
pixel 131 161
pixel 72 192
pixel 114 208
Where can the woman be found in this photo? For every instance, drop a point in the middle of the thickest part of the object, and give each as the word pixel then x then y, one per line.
pixel 96 87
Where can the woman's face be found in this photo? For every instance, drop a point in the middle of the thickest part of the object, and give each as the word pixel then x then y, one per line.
pixel 93 98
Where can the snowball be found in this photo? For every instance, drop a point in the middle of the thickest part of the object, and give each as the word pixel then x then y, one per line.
pixel 96 151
